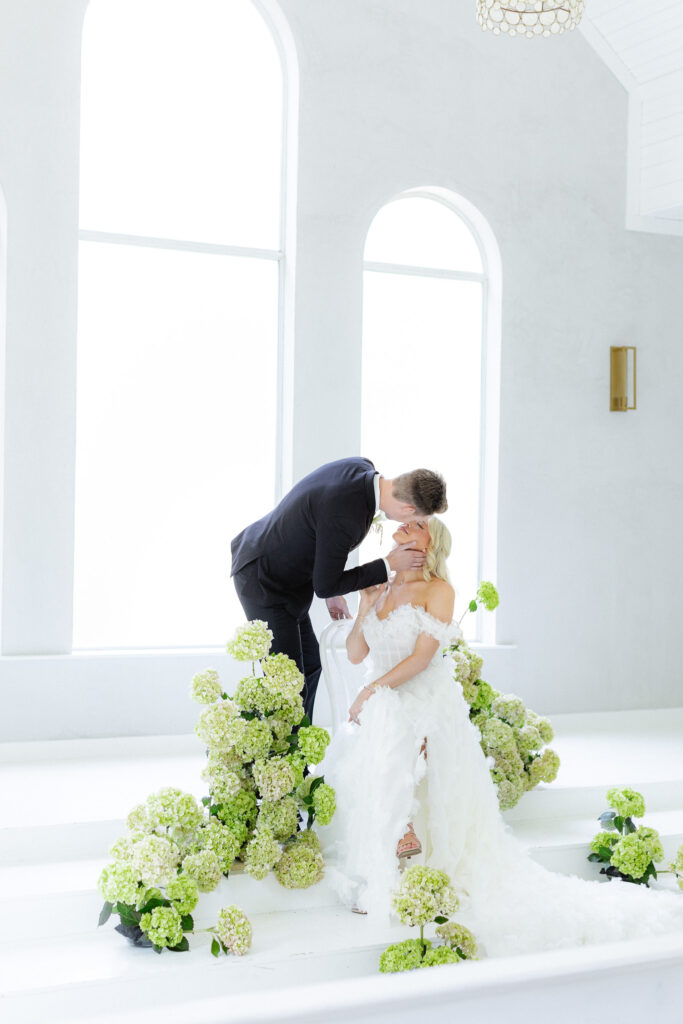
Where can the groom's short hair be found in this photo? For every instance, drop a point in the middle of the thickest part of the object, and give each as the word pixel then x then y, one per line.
pixel 422 488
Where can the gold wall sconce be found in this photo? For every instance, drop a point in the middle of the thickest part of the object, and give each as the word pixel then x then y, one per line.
pixel 619 376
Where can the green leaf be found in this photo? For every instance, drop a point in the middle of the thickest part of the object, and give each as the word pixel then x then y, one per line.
pixel 594 857
pixel 618 823
pixel 187 923
pixel 182 946
pixel 206 800
pixel 305 722
pixel 105 914
pixel 314 785
pixel 127 914
pixel 249 715
pixel 472 606
pixel 628 825
pixel 607 820
pixel 308 800
pixel 156 901
pixel 440 920
pixel 460 953
pixel 215 947
pixel 157 949
pixel 605 853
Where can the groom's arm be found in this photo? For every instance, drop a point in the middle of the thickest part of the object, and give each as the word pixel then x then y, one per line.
pixel 332 545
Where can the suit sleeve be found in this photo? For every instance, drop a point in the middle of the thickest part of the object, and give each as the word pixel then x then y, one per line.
pixel 332 545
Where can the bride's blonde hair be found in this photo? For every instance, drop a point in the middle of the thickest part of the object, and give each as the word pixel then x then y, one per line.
pixel 438 551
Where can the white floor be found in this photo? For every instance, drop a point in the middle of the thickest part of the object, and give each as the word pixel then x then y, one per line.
pixel 62 803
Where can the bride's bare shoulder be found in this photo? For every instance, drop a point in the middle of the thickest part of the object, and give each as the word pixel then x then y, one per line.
pixel 440 599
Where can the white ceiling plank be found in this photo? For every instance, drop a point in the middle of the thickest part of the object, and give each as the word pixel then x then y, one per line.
pixel 636 14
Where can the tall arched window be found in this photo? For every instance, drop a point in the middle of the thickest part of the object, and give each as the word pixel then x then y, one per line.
pixel 181 142
pixel 425 313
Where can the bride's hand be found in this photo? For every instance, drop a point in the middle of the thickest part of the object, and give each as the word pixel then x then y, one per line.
pixel 369 596
pixel 358 703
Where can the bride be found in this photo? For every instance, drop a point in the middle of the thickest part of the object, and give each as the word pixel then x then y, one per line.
pixel 409 754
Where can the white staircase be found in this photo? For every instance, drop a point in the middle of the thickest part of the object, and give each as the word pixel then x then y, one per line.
pixel 63 803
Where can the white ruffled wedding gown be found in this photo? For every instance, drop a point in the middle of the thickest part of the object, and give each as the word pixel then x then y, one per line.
pixel 511 903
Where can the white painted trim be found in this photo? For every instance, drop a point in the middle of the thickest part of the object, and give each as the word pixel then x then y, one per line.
pixel 411 271
pixel 286 46
pixel 182 244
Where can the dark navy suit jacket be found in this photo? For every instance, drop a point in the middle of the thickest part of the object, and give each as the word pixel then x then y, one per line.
pixel 301 547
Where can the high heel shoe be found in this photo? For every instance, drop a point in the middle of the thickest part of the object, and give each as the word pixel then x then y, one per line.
pixel 409 845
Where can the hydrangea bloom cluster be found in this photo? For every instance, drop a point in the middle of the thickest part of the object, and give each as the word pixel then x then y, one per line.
pixel 250 642
pixel 627 851
pixel 206 687
pixel 299 866
pixel 425 895
pixel 163 925
pixel 253 813
pixel 626 802
pixel 676 866
pixel 234 930
pixel 511 734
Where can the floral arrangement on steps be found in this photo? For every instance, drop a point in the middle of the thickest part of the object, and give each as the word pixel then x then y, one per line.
pixel 425 895
pixel 511 734
pixel 259 746
pixel 630 851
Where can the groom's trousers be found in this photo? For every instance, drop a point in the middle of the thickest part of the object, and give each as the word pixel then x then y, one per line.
pixel 292 635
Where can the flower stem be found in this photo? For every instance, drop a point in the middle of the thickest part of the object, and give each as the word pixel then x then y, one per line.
pixel 422 940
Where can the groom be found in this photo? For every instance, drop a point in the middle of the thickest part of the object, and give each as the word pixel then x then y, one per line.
pixel 301 547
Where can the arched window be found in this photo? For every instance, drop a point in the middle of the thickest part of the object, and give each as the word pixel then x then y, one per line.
pixel 180 252
pixel 427 351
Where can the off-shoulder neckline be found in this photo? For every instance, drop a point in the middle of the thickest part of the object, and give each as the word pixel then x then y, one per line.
pixel 417 607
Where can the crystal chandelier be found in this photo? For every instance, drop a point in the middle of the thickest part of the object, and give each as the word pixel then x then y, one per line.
pixel 529 17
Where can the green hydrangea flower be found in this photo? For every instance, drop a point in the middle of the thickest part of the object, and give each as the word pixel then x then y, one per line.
pixel 234 930
pixel 219 727
pixel 206 687
pixel 510 788
pixel 403 956
pixel 307 837
pixel 631 856
pixel 183 892
pixel 548 765
pixel 250 642
pixel 424 893
pixel 607 839
pixel 138 819
pixel 650 839
pixel 677 864
pixel 262 853
pixel 488 595
pixel 440 955
pixel 484 695
pixel 163 926
pixel 528 740
pixel 542 724
pixel 224 783
pixel 280 816
pixel 312 743
pixel 222 841
pixel 510 708
pixel 274 777
pixel 118 883
pixel 626 802
pixel 299 867
pixel 170 808
pixel 255 740
pixel 204 867
pixel 154 860
pixel 458 937
pixel 297 764
pixel 283 671
pixel 324 803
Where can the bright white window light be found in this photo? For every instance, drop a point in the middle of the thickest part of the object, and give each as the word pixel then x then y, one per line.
pixel 422 364
pixel 177 347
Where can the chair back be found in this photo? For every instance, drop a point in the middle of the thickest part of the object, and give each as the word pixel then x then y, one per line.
pixel 342 679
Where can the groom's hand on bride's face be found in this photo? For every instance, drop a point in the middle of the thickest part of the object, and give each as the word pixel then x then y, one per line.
pixel 404 556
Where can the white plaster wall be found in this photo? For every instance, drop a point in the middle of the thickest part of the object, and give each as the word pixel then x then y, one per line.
pixel 392 96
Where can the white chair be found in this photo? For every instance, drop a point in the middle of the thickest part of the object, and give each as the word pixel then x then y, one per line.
pixel 342 679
